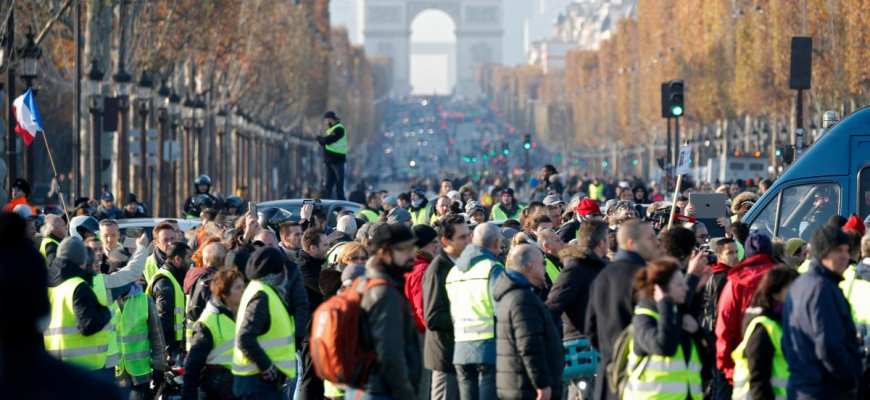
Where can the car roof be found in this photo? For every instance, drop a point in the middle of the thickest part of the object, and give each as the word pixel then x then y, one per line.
pixel 184 224
pixel 298 202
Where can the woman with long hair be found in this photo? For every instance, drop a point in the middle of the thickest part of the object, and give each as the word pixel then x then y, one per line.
pixel 760 369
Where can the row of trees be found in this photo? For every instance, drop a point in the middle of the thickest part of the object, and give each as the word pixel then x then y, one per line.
pixel 279 61
pixel 733 55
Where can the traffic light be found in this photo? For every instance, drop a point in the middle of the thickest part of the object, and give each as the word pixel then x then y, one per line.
pixel 505 149
pixel 633 162
pixel 779 151
pixel 675 98
pixel 604 164
pixel 527 141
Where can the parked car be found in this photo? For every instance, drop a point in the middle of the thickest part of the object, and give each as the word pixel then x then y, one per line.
pixel 134 227
pixel 331 207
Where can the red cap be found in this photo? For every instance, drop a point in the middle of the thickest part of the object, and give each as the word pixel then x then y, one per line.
pixel 586 207
pixel 856 224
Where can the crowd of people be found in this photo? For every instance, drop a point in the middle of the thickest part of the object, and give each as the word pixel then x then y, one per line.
pixel 468 295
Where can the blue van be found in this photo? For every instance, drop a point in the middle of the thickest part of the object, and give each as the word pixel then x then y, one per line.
pixel 832 177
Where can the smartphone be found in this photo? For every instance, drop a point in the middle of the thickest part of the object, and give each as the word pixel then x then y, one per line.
pixel 252 208
pixel 130 243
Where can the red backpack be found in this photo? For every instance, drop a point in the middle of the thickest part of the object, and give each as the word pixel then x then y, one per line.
pixel 335 345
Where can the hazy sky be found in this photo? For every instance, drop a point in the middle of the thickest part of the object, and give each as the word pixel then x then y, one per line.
pixel 433 26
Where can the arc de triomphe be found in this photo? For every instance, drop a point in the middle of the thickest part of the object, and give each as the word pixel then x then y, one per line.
pixel 478 36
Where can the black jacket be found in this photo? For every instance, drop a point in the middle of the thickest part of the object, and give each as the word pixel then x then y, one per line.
pixel 51 249
pixel 91 316
pixel 438 345
pixel 337 237
pixel 164 295
pixel 200 295
pixel 568 231
pixel 611 307
pixel 759 354
pixel 529 352
pixel 328 156
pixel 255 322
pixel 310 268
pixel 388 328
pixel 569 296
pixel 202 344
pixel 297 299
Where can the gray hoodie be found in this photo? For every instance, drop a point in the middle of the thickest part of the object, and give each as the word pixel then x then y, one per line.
pixel 483 351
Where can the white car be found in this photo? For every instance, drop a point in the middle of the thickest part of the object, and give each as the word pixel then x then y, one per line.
pixel 133 227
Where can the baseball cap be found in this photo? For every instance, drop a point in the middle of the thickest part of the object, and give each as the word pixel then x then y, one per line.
pixel 330 114
pixel 507 191
pixel 398 215
pixel 391 235
pixel 107 196
pixel 552 200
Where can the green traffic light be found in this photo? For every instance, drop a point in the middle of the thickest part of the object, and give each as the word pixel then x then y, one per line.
pixel 485 157
pixel 559 158
pixel 633 162
pixel 527 146
pixel 778 152
pixel 677 111
pixel 473 159
pixel 604 164
pixel 506 151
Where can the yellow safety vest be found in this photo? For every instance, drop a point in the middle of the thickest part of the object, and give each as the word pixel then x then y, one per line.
pixel 46 241
pixel 498 213
pixel 279 342
pixel 63 340
pixel 99 288
pixel 223 334
pixel 178 311
pixel 151 268
pixel 596 191
pixel 368 215
pixel 779 374
pixel 340 146
pixel 471 302
pixel 419 216
pixel 133 337
pixel 552 270
pixel 857 292
pixel 657 377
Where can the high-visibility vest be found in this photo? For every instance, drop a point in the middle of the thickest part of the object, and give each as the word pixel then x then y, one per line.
pixel 471 302
pixel 663 377
pixel 498 213
pixel 279 342
pixel 331 391
pixel 369 215
pixel 45 242
pixel 113 355
pixel 178 311
pixel 63 340
pixel 552 270
pixel 419 216
pixel 223 334
pixel 151 268
pixel 133 337
pixel 596 191
pixel 779 373
pixel 340 146
pixel 857 292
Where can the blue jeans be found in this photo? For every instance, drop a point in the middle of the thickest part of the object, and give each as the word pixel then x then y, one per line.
pixel 476 381
pixel 353 393
pixel 255 388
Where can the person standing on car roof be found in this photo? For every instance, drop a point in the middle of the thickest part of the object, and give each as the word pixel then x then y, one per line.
pixel 334 155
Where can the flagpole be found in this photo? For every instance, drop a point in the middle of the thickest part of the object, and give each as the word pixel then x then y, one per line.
pixel 53 168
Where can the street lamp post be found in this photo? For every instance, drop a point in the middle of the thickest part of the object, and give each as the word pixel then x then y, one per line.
pixel 220 121
pixel 29 55
pixel 121 82
pixel 187 121
pixel 162 104
pixel 144 106
pixel 174 120
pixel 95 94
pixel 199 126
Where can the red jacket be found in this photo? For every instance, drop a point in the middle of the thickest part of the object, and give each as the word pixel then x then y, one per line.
pixel 414 289
pixel 742 282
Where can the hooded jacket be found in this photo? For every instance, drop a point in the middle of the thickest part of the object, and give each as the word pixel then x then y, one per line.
pixel 529 349
pixel 569 296
pixel 438 349
pixel 819 338
pixel 414 288
pixel 197 284
pixel 733 301
pixel 387 328
pixel 91 316
pixel 478 351
pixel 712 292
pixel 310 268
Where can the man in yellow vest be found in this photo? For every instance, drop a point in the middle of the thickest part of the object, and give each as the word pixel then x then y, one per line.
pixel 551 244
pixel 470 286
pixel 140 341
pixel 334 155
pixel 53 231
pixel 371 211
pixel 164 235
pixel 167 292
pixel 78 331
pixel 421 209
pixel 264 356
pixel 210 348
pixel 508 208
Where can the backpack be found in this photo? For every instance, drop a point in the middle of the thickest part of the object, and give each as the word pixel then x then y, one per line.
pixel 335 345
pixel 617 368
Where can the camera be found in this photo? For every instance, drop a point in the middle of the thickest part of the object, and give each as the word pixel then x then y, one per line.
pixel 711 255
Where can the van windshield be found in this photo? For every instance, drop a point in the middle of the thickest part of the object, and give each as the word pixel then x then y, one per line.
pixel 807 207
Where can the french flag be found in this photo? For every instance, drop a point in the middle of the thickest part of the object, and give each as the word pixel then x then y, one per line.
pixel 29 123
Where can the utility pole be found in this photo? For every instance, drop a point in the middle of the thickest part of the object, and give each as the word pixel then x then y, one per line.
pixel 11 159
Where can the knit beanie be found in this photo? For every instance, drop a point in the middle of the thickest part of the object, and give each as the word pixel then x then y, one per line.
pixel 825 239
pixel 793 245
pixel 758 243
pixel 74 250
pixel 424 234
pixel 265 261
